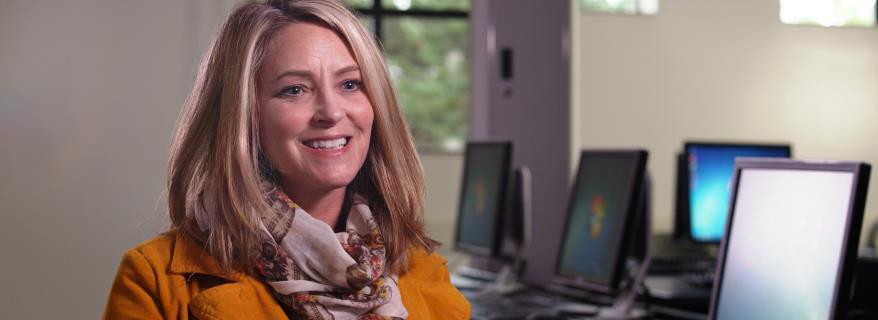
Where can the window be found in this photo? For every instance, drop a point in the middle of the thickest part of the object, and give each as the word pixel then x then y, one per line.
pixel 829 13
pixel 427 47
pixel 643 7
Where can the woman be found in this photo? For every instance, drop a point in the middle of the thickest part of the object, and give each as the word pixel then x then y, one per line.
pixel 294 186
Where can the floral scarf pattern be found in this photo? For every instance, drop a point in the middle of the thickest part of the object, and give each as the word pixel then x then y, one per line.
pixel 315 273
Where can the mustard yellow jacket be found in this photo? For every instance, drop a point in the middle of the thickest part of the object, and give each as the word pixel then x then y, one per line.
pixel 172 277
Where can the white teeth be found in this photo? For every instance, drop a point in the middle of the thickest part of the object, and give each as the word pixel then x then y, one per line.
pixel 327 144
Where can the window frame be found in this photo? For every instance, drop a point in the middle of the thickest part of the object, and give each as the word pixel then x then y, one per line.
pixel 378 12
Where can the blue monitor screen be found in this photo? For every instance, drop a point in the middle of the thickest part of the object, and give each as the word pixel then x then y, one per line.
pixel 485 169
pixel 710 174
pixel 597 213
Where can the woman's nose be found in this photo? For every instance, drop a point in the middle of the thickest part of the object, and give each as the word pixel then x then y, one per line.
pixel 329 109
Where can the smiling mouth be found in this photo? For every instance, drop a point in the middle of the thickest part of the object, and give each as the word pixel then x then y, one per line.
pixel 329 144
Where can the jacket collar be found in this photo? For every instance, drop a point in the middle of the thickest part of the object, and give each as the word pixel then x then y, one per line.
pixel 244 298
pixel 190 257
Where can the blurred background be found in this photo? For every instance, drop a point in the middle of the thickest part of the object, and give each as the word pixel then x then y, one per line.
pixel 90 92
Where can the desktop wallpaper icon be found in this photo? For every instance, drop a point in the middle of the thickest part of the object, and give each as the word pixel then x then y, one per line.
pixel 596 219
pixel 481 196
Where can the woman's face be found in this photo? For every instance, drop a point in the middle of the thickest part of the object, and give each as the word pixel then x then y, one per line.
pixel 315 119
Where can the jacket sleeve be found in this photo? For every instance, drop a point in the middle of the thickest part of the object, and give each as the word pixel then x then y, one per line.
pixel 133 293
pixel 427 292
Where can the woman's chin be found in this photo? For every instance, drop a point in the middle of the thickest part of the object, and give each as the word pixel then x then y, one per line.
pixel 330 183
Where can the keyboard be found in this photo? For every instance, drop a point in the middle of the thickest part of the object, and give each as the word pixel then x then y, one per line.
pixel 681 263
pixel 528 304
pixel 477 273
pixel 508 307
pixel 465 283
pixel 699 279
pixel 480 311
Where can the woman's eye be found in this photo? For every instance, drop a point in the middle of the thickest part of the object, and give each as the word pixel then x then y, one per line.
pixel 292 91
pixel 351 85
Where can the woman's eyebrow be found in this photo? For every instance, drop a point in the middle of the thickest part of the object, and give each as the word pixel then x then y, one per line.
pixel 350 68
pixel 309 74
pixel 295 73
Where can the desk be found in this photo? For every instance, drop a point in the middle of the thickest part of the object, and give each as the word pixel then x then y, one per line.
pixel 533 303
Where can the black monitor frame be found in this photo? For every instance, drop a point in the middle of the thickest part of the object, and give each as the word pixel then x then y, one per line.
pixel 683 211
pixel 496 238
pixel 848 256
pixel 517 216
pixel 628 225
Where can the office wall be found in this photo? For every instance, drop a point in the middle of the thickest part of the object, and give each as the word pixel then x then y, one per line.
pixel 725 70
pixel 90 92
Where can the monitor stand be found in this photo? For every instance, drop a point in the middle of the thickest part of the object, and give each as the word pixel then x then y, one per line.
pixel 621 307
pixel 488 277
pixel 602 306
pixel 480 268
pixel 636 272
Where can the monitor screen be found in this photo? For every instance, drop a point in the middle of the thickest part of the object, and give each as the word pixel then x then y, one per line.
pixel 598 217
pixel 486 170
pixel 710 172
pixel 787 238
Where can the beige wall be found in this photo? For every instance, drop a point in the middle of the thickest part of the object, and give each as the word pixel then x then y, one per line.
pixel 728 70
pixel 89 92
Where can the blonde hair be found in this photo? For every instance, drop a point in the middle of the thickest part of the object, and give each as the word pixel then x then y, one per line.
pixel 216 156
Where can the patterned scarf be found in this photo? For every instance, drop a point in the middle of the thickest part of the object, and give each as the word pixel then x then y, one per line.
pixel 318 274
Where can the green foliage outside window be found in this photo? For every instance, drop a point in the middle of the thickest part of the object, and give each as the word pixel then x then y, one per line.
pixel 644 7
pixel 462 5
pixel 428 59
pixel 428 62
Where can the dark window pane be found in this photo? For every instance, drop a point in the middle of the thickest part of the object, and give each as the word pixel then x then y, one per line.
pixel 428 60
pixel 462 5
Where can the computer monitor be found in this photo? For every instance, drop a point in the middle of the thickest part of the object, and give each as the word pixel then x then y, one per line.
pixel 793 230
pixel 600 221
pixel 707 170
pixel 483 197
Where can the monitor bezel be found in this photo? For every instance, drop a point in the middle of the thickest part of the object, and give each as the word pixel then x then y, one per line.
pixel 684 209
pixel 854 221
pixel 631 206
pixel 517 216
pixel 494 249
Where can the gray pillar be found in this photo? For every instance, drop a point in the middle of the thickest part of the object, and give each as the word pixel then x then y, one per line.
pixel 529 105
